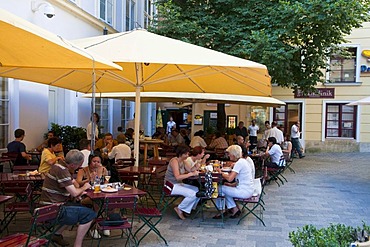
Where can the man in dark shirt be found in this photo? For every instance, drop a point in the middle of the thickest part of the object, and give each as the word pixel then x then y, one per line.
pixel 59 186
pixel 241 130
pixel 17 146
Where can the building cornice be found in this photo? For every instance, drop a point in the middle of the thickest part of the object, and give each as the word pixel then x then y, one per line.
pixel 75 10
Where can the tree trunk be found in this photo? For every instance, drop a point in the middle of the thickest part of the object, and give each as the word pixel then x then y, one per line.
pixel 221 118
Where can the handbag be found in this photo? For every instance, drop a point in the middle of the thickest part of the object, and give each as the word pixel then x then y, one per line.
pixel 208 189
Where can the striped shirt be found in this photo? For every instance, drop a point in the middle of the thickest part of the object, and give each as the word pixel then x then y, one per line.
pixel 53 189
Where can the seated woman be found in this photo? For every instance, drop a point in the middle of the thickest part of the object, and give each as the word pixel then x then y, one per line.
pixel 175 174
pixel 48 156
pixel 287 146
pixel 276 154
pixel 196 158
pixel 243 188
pixel 89 173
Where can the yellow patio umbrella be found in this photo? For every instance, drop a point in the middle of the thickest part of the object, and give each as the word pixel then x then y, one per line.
pixel 154 63
pixel 31 53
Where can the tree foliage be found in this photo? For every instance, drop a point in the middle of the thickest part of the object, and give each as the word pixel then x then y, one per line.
pixel 292 38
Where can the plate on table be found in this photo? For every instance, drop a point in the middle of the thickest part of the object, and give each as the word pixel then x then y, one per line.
pixel 226 169
pixel 109 189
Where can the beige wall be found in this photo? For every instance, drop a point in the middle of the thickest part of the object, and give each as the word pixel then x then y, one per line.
pixel 313 108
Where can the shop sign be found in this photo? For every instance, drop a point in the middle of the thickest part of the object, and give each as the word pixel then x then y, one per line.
pixel 321 93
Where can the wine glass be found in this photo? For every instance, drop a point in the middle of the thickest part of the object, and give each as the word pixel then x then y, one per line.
pixel 107 177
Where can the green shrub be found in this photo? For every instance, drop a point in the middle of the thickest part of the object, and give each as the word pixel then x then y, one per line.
pixel 336 235
pixel 70 135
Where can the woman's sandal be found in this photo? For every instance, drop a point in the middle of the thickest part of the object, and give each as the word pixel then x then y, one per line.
pixel 236 215
pixel 219 216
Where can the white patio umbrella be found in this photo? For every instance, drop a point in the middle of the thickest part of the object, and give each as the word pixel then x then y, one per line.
pixel 364 101
pixel 154 63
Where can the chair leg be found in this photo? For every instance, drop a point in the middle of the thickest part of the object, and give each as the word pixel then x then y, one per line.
pixel 152 227
pixel 251 211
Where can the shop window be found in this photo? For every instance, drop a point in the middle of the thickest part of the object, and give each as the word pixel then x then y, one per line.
pixel 341 120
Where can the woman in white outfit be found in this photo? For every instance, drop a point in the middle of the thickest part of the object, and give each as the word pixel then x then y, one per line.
pixel 175 174
pixel 242 173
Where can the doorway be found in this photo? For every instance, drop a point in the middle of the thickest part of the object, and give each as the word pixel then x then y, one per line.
pixel 287 115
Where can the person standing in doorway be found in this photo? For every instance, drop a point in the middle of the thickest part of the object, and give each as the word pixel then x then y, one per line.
pixel 294 136
pixel 170 125
pixel 89 130
pixel 253 130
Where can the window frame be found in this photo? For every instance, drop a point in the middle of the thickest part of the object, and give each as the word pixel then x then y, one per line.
pixel 104 16
pixel 5 124
pixel 130 14
pixel 357 67
pixel 355 127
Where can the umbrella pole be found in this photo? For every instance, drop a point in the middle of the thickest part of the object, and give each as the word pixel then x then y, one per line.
pixel 139 77
pixel 92 144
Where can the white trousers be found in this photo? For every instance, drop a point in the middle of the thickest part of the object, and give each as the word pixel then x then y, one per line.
pixel 189 192
pixel 230 193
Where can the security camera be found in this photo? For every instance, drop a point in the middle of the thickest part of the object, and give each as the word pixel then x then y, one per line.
pixel 49 11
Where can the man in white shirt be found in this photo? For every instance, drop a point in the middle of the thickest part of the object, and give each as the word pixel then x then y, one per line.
pixel 275 132
pixel 253 130
pixel 170 125
pixel 121 151
pixel 294 136
pixel 197 140
pixel 175 139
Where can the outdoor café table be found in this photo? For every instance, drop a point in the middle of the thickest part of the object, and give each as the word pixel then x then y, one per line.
pixel 155 143
pixel 98 198
pixel 21 177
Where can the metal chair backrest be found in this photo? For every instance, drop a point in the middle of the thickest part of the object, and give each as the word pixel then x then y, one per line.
pixel 156 162
pixel 122 163
pixel 167 188
pixel 120 202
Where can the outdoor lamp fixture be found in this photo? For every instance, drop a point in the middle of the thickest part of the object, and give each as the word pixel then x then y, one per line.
pixel 48 9
pixel 105 31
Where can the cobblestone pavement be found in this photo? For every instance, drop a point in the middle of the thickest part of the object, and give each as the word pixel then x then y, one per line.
pixel 326 188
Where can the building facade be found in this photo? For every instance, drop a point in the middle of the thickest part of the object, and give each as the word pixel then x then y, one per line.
pixel 33 107
pixel 328 124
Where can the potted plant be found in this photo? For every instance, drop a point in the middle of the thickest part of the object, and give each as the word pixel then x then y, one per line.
pixel 334 235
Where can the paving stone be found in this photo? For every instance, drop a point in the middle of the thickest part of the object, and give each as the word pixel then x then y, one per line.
pixel 324 190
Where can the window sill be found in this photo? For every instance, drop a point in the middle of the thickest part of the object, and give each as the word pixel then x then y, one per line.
pixel 340 138
pixel 342 83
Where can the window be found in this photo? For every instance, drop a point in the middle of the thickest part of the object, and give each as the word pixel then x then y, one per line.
pixel 340 120
pixel 126 113
pixel 106 11
pixel 343 69
pixel 130 15
pixel 102 107
pixel 148 13
pixel 4 113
